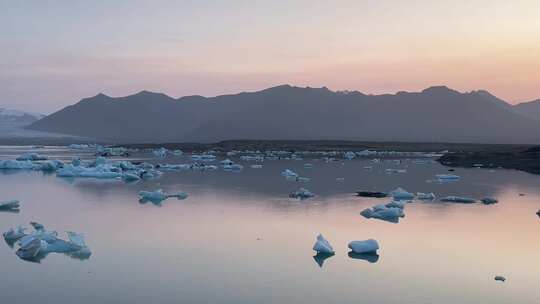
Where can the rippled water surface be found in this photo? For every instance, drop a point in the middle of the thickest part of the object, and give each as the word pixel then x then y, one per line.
pixel 238 238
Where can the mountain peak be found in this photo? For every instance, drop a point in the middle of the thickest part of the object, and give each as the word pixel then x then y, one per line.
pixel 439 89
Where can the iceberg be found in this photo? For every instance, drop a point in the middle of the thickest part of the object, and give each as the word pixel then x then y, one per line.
pixel 156 197
pixel 38 244
pixel 288 173
pixel 458 199
pixel 500 278
pixel 16 165
pixel 323 246
pixel 390 212
pixel 349 155
pixel 425 196
pixel 489 201
pixel 12 205
pixel 395 171
pixel 256 166
pixel 447 177
pixel 400 194
pixel 302 194
pixel 161 153
pixel 367 246
pixel 31 157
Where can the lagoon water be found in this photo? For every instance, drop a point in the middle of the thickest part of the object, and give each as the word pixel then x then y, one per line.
pixel 238 238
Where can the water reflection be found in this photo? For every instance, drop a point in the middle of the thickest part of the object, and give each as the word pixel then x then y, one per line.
pixel 370 257
pixel 321 257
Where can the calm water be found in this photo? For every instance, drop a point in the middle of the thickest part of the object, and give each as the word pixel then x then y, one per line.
pixel 239 239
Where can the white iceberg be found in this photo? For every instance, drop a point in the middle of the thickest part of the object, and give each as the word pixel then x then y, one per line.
pixel 288 173
pixel 390 212
pixel 400 194
pixel 158 196
pixel 302 193
pixel 425 196
pixel 367 246
pixel 323 246
pixel 458 199
pixel 31 157
pixel 447 177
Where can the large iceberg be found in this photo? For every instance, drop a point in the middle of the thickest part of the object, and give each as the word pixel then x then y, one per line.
pixel 367 246
pixel 37 245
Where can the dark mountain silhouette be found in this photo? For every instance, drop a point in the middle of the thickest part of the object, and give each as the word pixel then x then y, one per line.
pixel 437 114
pixel 530 109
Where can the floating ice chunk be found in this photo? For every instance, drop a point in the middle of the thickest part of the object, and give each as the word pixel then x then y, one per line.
pixel 14 234
pixel 161 153
pixel 30 249
pixel 203 157
pixel 489 201
pixel 400 194
pixel 226 162
pixel 178 152
pixel 377 194
pixel 288 173
pixel 390 212
pixel 303 179
pixel 49 166
pixel 458 199
pixel 323 246
pixel 302 193
pixel 367 246
pixel 131 177
pixel 447 177
pixel 233 167
pixel 16 165
pixel 425 196
pixel 500 278
pixel 31 157
pixel 256 166
pixel 349 155
pixel 158 196
pixel 340 179
pixel 395 171
pixel 308 165
pixel 10 205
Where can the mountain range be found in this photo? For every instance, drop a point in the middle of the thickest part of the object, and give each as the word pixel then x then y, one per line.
pixel 436 114
pixel 17 118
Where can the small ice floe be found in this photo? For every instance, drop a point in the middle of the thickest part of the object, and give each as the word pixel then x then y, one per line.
pixel 366 193
pixel 500 278
pixel 308 166
pixel 14 234
pixel 256 166
pixel 458 199
pixel 340 179
pixel 425 196
pixel 233 168
pixel 303 179
pixel 31 157
pixel 301 194
pixel 156 197
pixel 289 174
pixel 36 245
pixel 161 153
pixel 349 155
pixel 401 194
pixel 226 162
pixel 447 177
pixel 367 246
pixel 368 168
pixel 323 246
pixel 16 165
pixel 10 206
pixel 395 171
pixel 390 212
pixel 203 157
pixel 178 152
pixel 489 201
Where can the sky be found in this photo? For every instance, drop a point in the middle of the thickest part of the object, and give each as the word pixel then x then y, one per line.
pixel 53 53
